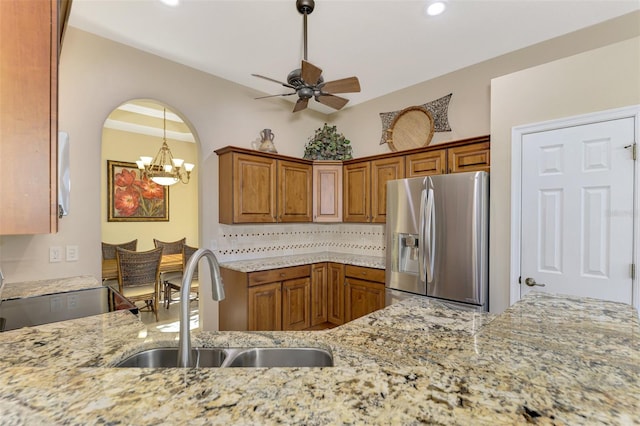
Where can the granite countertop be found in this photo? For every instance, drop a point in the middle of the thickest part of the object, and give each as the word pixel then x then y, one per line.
pixel 546 360
pixel 304 259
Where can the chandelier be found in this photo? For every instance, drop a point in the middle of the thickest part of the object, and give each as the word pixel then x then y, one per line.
pixel 164 169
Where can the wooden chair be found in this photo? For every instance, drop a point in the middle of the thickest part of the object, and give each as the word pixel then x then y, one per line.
pixel 176 283
pixel 139 276
pixel 109 250
pixel 173 247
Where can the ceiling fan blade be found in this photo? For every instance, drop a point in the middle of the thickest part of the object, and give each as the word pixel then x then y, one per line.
pixel 272 96
pixel 273 80
pixel 310 73
pixel 344 85
pixel 300 105
pixel 335 102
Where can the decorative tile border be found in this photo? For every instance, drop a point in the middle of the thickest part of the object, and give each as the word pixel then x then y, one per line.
pixel 244 242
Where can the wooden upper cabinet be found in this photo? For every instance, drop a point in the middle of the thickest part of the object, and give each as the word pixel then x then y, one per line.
pixel 426 163
pixel 356 183
pixel 365 188
pixel 28 116
pixel 381 172
pixel 327 191
pixel 469 158
pixel 295 197
pixel 261 188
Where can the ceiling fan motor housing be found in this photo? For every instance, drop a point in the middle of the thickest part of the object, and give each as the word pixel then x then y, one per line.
pixel 305 6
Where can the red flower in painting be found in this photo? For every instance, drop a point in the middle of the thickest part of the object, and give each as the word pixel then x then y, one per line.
pixel 125 178
pixel 127 201
pixel 149 189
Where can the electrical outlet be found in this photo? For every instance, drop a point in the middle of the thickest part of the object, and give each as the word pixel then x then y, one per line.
pixel 56 303
pixel 72 302
pixel 55 254
pixel 72 253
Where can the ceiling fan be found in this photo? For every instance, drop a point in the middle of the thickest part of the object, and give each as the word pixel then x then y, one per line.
pixel 307 81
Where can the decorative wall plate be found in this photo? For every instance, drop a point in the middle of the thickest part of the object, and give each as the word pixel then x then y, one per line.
pixel 412 128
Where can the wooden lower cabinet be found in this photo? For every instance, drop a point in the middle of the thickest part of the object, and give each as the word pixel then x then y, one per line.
pixel 265 307
pixel 300 297
pixel 296 304
pixel 276 299
pixel 319 276
pixel 364 291
pixel 335 293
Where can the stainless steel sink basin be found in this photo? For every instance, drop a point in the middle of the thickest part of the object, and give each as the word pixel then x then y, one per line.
pixel 281 357
pixel 168 358
pixel 232 357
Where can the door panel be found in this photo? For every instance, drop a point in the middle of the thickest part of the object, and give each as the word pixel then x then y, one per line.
pixel 296 301
pixel 577 210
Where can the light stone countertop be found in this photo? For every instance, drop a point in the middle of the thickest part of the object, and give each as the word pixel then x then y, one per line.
pixel 546 360
pixel 254 265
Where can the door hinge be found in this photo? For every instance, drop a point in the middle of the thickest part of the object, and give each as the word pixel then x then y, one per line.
pixel 633 271
pixel 634 150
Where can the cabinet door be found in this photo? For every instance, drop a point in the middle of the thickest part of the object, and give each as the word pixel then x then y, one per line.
pixel 356 183
pixel 469 158
pixel 327 192
pixel 265 307
pixel 335 293
pixel 426 163
pixel 296 304
pixel 362 298
pixel 318 293
pixel 381 172
pixel 254 189
pixel 28 107
pixel 295 196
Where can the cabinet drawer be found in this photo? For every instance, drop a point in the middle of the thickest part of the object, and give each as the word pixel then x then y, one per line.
pixel 369 274
pixel 283 274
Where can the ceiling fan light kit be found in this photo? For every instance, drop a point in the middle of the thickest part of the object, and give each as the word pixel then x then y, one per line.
pixel 307 81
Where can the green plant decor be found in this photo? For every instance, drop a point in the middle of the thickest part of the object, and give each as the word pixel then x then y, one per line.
pixel 328 144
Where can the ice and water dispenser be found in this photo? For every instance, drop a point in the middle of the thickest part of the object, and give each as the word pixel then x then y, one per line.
pixel 405 253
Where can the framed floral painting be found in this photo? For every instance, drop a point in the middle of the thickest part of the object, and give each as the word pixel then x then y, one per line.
pixel 133 198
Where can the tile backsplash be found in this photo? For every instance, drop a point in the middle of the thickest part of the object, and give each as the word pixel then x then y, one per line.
pixel 244 242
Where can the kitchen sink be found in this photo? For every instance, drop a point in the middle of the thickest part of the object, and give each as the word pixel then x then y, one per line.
pixel 232 357
pixel 281 357
pixel 168 358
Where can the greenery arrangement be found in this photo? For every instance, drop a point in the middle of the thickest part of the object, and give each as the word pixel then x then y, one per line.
pixel 328 144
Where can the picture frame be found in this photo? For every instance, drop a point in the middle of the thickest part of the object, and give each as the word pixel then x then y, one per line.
pixel 132 197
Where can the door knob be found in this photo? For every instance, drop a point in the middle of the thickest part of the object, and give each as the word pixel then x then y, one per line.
pixel 531 283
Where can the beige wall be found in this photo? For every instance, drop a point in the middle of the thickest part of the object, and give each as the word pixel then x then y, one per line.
pixel 183 199
pixel 597 80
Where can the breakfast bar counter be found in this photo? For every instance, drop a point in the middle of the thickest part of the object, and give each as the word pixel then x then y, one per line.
pixel 546 360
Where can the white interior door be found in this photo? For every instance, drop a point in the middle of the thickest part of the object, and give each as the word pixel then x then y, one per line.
pixel 577 210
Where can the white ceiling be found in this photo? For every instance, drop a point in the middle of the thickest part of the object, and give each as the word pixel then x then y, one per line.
pixel 388 45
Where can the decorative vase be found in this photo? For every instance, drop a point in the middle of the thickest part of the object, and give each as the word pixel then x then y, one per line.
pixel 266 144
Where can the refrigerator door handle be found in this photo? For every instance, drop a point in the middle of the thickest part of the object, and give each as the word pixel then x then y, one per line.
pixel 422 240
pixel 429 240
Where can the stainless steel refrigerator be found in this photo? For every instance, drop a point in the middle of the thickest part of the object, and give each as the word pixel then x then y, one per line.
pixel 437 237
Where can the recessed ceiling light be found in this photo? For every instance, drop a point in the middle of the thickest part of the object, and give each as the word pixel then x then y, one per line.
pixel 435 8
pixel 172 3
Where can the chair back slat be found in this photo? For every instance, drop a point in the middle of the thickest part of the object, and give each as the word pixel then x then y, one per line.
pixel 109 250
pixel 187 252
pixel 173 247
pixel 138 268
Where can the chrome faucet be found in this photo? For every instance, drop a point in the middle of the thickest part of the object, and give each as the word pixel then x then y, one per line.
pixel 185 358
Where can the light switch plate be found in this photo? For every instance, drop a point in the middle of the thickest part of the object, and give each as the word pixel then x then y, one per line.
pixel 55 254
pixel 72 253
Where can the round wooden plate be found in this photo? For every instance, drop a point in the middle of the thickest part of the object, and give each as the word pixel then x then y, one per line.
pixel 411 128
